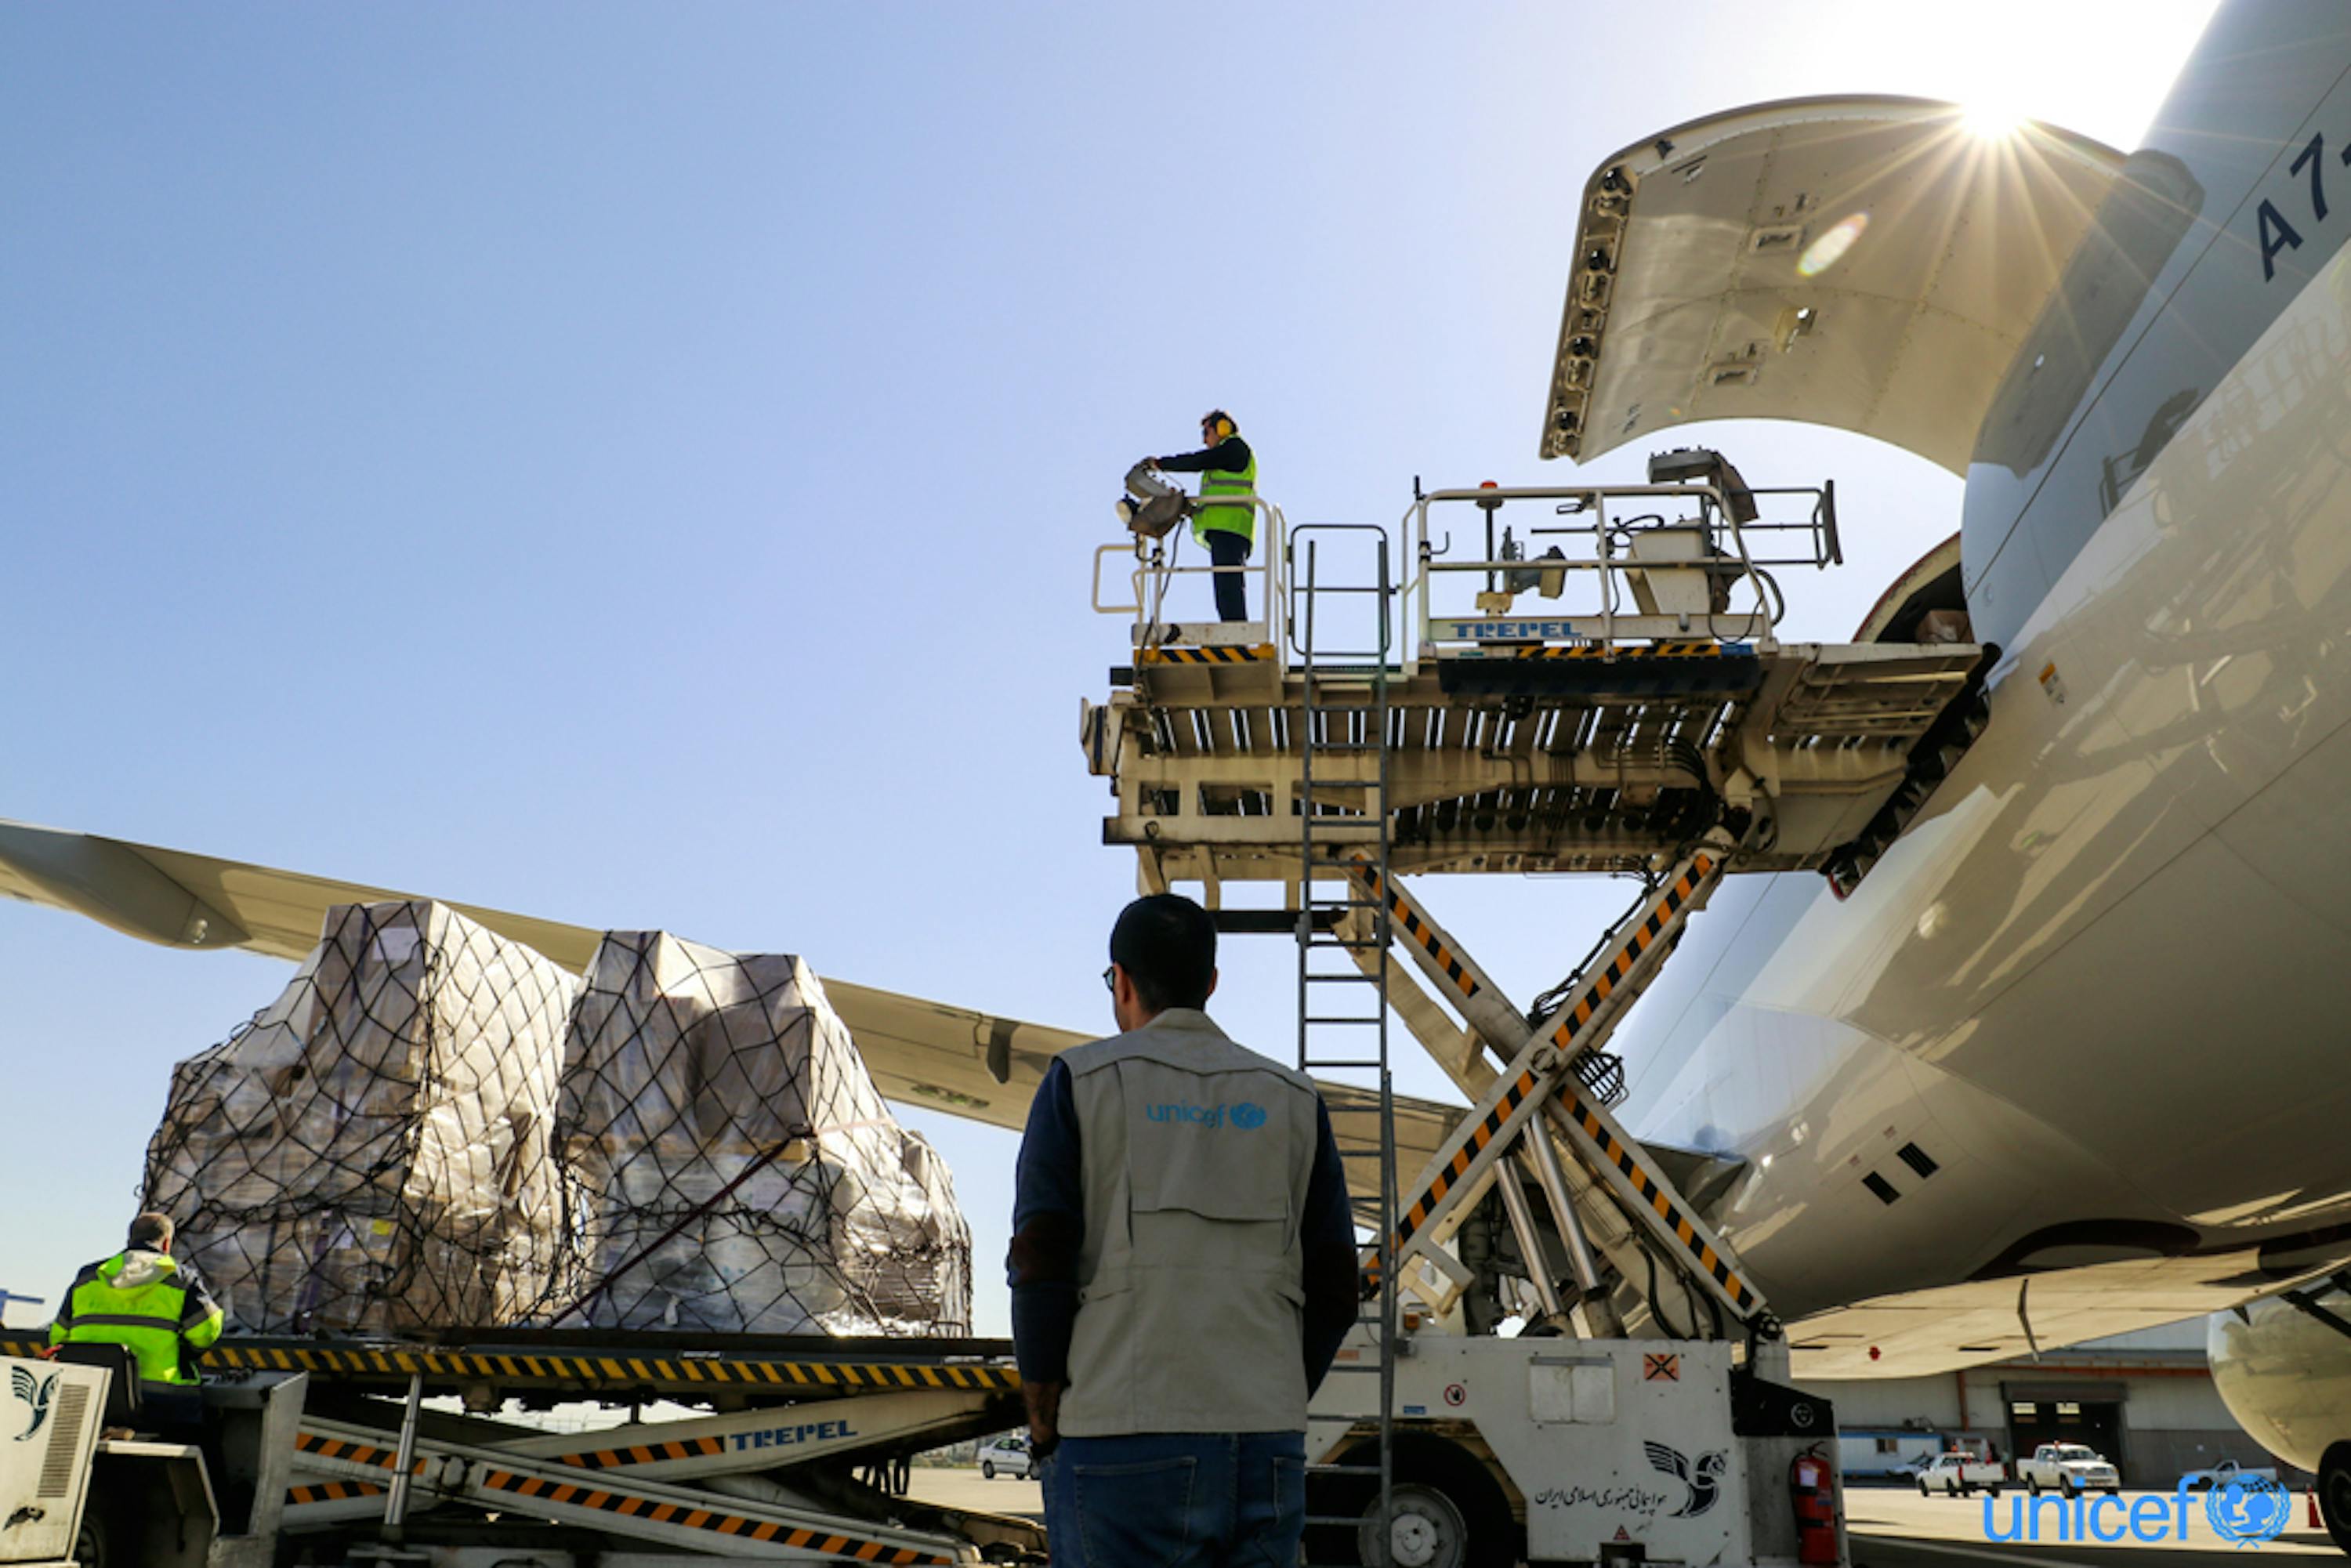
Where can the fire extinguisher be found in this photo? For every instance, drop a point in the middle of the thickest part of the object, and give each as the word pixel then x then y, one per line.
pixel 1810 1489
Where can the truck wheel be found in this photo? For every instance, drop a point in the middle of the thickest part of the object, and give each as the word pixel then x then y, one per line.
pixel 1424 1532
pixel 1450 1512
pixel 2065 1488
pixel 2032 1485
pixel 988 1470
pixel 89 1541
pixel 2335 1493
pixel 1922 1489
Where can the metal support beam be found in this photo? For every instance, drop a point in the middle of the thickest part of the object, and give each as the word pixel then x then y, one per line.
pixel 1579 1251
pixel 1467 989
pixel 395 1506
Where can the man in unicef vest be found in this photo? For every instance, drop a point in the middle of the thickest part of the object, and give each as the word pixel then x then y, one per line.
pixel 1226 467
pixel 143 1298
pixel 1182 1268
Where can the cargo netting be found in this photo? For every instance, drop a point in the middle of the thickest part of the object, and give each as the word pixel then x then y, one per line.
pixel 736 1170
pixel 373 1151
pixel 436 1127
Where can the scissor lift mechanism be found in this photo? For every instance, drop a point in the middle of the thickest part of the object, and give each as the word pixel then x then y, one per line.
pixel 626 1500
pixel 1545 1082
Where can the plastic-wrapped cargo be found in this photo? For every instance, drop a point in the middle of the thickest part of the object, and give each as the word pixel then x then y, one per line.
pixel 373 1151
pixel 736 1169
pixel 916 1256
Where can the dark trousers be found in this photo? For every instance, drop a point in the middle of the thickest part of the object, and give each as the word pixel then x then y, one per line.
pixel 1184 1500
pixel 1232 596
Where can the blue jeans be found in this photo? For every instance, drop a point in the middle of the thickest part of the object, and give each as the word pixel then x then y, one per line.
pixel 1178 1499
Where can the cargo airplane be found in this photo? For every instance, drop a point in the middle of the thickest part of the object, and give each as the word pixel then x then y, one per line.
pixel 2064 1061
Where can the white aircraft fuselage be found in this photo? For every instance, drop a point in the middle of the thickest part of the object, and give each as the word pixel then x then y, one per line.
pixel 2099 987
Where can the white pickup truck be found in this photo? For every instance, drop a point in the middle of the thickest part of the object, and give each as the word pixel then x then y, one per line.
pixel 2067 1468
pixel 2225 1472
pixel 1960 1474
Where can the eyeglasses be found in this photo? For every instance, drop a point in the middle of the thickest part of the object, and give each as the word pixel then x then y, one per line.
pixel 1109 979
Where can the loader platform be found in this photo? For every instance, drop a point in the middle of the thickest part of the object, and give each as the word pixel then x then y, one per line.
pixel 617 1368
pixel 1601 734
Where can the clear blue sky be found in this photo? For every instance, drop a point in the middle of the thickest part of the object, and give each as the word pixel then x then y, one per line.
pixel 640 466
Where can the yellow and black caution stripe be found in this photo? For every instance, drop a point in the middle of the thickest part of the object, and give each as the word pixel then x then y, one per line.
pixel 1405 913
pixel 1613 1150
pixel 606 1370
pixel 645 1454
pixel 1483 1131
pixel 1255 655
pixel 332 1491
pixel 716 1522
pixel 320 1445
pixel 1645 936
pixel 1684 650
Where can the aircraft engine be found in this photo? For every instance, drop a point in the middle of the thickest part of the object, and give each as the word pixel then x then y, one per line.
pixel 2282 1366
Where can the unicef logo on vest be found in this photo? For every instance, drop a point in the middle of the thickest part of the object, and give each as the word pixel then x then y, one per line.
pixel 1246 1116
pixel 2247 1511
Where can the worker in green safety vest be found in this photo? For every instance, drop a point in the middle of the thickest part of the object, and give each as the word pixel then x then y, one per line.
pixel 1226 467
pixel 143 1298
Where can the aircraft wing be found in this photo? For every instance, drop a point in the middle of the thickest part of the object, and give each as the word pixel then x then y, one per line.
pixel 1872 264
pixel 1948 1328
pixel 968 1063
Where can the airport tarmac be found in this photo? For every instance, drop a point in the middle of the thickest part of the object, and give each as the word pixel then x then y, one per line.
pixel 964 1486
pixel 1890 1528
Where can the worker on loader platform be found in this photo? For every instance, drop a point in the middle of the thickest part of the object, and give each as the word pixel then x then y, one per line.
pixel 143 1298
pixel 1226 467
pixel 1183 1270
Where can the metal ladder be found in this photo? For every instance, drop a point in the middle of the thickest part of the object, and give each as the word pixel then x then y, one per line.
pixel 1343 1007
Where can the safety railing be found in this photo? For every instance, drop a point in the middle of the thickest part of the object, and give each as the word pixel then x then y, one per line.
pixel 1613 564
pixel 1156 566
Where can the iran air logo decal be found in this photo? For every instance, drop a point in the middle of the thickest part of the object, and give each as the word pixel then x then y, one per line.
pixel 36 1392
pixel 1704 1479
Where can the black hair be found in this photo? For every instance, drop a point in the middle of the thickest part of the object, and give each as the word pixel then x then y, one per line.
pixel 151 1230
pixel 1167 946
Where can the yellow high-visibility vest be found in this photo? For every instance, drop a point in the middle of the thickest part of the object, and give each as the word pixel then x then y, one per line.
pixel 1241 520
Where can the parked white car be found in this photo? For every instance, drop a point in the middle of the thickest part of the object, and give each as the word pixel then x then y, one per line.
pixel 1005 1456
pixel 2225 1472
pixel 1959 1474
pixel 2067 1468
